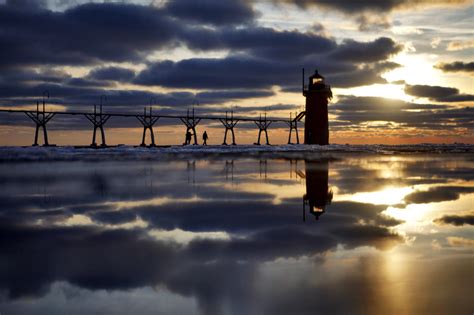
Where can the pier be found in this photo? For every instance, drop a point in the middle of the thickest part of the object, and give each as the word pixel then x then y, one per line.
pixel 317 94
pixel 98 118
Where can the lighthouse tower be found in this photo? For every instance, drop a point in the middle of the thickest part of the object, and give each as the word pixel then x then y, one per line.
pixel 318 94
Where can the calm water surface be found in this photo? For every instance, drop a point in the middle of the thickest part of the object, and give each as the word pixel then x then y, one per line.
pixel 340 234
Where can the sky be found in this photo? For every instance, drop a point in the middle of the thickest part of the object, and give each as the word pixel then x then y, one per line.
pixel 401 71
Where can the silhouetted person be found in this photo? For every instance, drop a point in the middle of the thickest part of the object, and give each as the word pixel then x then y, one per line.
pixel 204 138
pixel 188 137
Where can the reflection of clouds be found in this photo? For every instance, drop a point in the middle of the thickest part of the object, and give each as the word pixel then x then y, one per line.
pixel 400 171
pixel 181 236
pixel 210 241
pixel 423 211
pixel 460 241
pixel 365 285
pixel 118 205
pixel 360 235
pixel 438 194
pixel 85 256
pixel 385 196
pixel 369 281
pixel 63 297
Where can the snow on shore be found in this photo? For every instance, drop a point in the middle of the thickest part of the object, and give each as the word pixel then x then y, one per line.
pixel 145 153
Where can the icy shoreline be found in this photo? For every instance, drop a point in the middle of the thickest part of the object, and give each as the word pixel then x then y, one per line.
pixel 144 153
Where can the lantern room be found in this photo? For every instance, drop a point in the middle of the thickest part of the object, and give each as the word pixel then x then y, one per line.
pixel 316 81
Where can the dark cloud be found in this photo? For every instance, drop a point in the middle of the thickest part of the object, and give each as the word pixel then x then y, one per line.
pixel 438 93
pixel 377 50
pixel 91 33
pixel 230 72
pixel 351 7
pixel 246 72
pixel 457 220
pixel 369 23
pixel 274 58
pixel 74 92
pixel 364 75
pixel 438 194
pixel 432 92
pixel 86 83
pixel 270 108
pixel 27 4
pixel 113 217
pixel 356 110
pixel 259 58
pixel 265 42
pixel 456 66
pixel 31 76
pixel 112 74
pixel 345 75
pixel 458 98
pixel 231 95
pixel 212 11
pixel 84 34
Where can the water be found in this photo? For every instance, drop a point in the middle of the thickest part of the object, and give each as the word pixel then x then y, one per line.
pixel 321 233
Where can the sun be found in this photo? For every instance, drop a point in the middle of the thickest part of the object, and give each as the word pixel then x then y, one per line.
pixel 415 69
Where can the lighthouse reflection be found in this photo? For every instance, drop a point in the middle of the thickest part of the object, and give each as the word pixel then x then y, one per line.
pixel 224 235
pixel 318 193
pixel 315 175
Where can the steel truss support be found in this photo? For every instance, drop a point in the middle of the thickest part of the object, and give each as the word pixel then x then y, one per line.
pixel 191 122
pixel 147 120
pixel 262 125
pixel 293 124
pixel 98 120
pixel 229 124
pixel 41 118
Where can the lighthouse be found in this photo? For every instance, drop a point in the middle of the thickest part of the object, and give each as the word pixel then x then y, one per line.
pixel 318 94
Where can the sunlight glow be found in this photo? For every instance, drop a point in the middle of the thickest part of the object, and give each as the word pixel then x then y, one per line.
pixel 392 91
pixel 387 196
pixel 411 214
pixel 416 69
pixel 417 217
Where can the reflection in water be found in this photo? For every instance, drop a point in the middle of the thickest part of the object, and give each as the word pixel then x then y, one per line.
pixel 191 171
pixel 229 170
pixel 318 195
pixel 212 236
pixel 98 183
